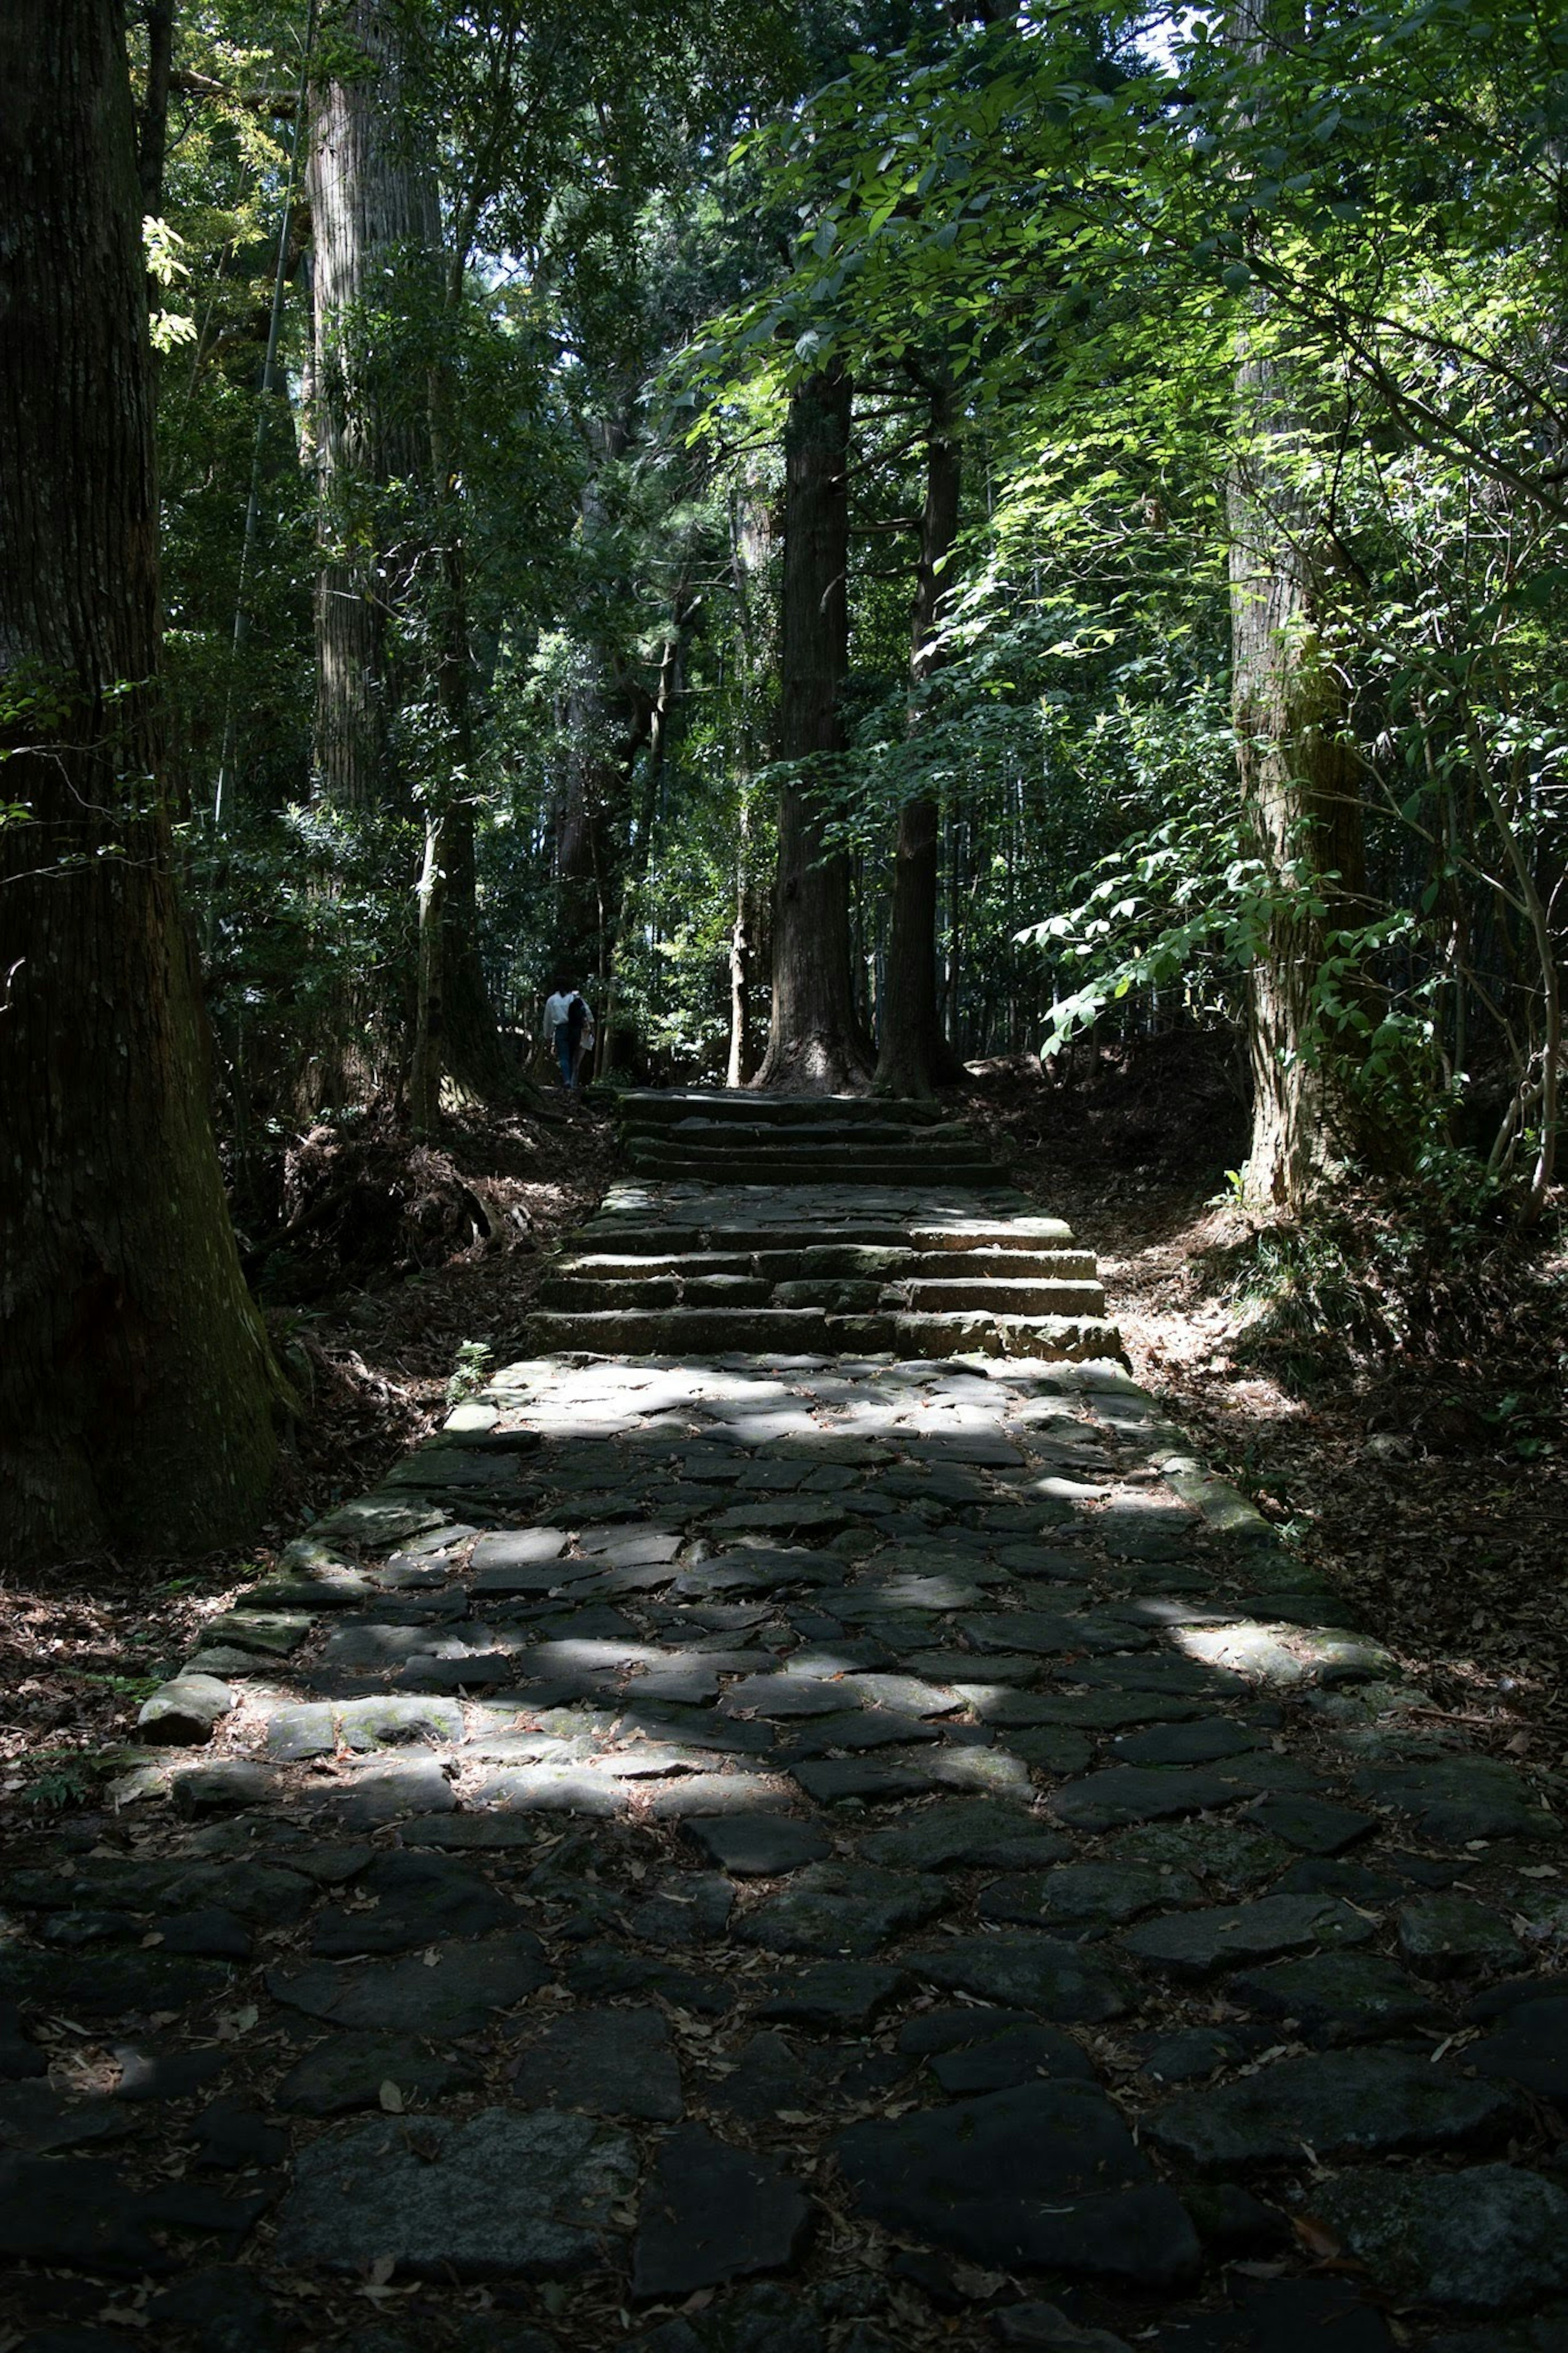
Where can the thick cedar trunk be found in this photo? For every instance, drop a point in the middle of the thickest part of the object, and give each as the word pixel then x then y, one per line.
pixel 817 1046
pixel 137 1392
pixel 1301 799
pixel 914 1055
pixel 376 220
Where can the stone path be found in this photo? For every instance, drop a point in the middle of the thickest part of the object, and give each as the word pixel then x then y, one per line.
pixel 753 1853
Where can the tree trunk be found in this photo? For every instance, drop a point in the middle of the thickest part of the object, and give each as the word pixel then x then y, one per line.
pixel 137 1391
pixel 1300 798
pixel 914 1055
pixel 817 1046
pixel 377 221
pixel 1299 794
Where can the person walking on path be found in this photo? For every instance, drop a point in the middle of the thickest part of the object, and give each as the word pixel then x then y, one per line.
pixel 568 1029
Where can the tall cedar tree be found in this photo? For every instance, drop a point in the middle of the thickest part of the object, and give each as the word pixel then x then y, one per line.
pixel 817 1046
pixel 137 1392
pixel 1301 797
pixel 914 1055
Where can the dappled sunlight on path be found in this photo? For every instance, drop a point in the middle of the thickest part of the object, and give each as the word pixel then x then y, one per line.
pixel 888 1848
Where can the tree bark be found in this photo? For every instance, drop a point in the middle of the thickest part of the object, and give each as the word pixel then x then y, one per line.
pixel 137 1392
pixel 376 220
pixel 1300 796
pixel 914 1055
pixel 817 1045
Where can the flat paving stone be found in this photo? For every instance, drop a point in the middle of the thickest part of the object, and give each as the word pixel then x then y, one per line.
pixel 1486 2239
pixel 373 1794
pixel 1311 1824
pixel 505 2195
pixel 1453 1935
pixel 1195 1944
pixel 452 1988
pixel 710 2213
pixel 1365 2103
pixel 840 1995
pixel 1015 2055
pixel 1080 1896
pixel 1232 1854
pixel 1201 1743
pixel 838 1907
pixel 1340 1997
pixel 347 2071
pixel 1036 1973
pixel 1456 1799
pixel 768 2073
pixel 419 1898
pixel 612 2062
pixel 759 1846
pixel 1042 2177
pixel 692 1908
pixel 985 1833
pixel 1148 1793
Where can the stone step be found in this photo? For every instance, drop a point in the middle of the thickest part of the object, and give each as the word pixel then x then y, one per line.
pixel 779 1169
pixel 805 1331
pixel 741 1134
pixel 776 1241
pixel 665 1106
pixel 1004 1266
pixel 730 1246
pixel 608 1266
pixel 839 1278
pixel 1025 1298
pixel 997 1233
pixel 683 1331
pixel 574 1295
pixel 800 1146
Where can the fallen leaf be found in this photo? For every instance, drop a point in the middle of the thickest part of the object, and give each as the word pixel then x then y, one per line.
pixel 1315 2239
pixel 391 2098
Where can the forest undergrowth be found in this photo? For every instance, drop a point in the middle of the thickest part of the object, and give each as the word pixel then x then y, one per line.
pixel 1384 1381
pixel 392 1271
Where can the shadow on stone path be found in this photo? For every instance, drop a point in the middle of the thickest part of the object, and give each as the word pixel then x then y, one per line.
pixel 804 1855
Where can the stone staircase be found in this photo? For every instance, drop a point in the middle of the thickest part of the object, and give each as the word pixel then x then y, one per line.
pixel 748 1139
pixel 799 1225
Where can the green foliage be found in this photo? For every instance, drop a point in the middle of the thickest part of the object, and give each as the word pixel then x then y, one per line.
pixel 654 223
pixel 468 1372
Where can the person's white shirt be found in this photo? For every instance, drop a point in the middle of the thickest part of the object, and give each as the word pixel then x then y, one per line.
pixel 557 1009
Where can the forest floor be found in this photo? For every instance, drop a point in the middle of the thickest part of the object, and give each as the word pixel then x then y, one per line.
pixel 388 1268
pixel 1389 1389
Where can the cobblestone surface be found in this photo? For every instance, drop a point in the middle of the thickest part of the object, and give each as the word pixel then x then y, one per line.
pixel 819 1854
